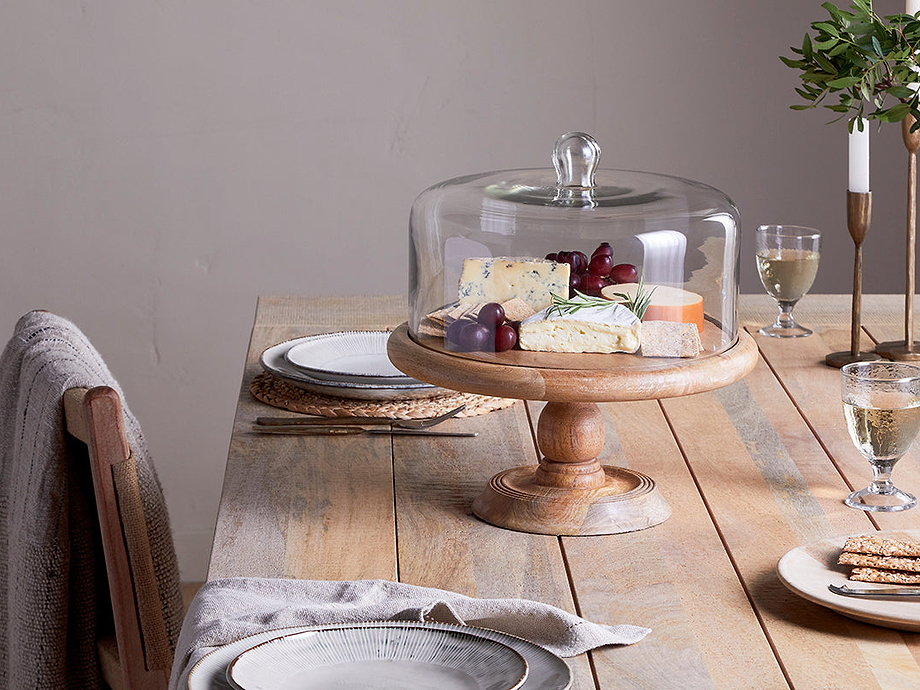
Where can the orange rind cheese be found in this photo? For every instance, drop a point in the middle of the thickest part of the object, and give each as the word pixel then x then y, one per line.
pixel 668 303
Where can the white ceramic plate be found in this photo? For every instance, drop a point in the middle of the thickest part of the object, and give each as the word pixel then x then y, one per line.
pixel 356 356
pixel 809 569
pixel 379 657
pixel 545 670
pixel 273 361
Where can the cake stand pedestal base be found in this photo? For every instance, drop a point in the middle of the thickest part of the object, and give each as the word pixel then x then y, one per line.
pixel 627 501
pixel 570 492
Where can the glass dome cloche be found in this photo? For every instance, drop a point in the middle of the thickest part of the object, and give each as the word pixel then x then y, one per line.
pixel 582 238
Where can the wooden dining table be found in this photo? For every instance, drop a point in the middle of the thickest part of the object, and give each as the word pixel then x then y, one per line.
pixel 751 471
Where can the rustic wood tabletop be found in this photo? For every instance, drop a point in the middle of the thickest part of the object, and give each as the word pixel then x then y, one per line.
pixel 751 471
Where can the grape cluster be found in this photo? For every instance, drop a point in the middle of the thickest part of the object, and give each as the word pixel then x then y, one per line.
pixel 489 332
pixel 590 276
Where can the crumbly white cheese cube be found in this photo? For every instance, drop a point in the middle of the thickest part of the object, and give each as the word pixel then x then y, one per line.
pixel 611 328
pixel 501 278
pixel 670 339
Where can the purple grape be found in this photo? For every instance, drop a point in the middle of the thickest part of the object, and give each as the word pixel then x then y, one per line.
pixel 505 338
pixel 600 265
pixel 624 273
pixel 581 262
pixel 491 315
pixel 603 248
pixel 453 331
pixel 476 338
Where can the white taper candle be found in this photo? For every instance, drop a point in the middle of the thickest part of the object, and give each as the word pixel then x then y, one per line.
pixel 859 157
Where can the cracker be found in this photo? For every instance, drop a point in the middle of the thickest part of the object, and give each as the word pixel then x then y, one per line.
pixel 517 309
pixel 898 577
pixel 461 310
pixel 439 317
pixel 429 327
pixel 880 562
pixel 881 546
pixel 445 316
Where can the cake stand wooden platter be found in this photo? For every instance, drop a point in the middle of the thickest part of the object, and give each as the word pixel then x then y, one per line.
pixel 570 492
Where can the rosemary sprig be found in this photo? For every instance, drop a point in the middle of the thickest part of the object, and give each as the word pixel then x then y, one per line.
pixel 564 307
pixel 639 302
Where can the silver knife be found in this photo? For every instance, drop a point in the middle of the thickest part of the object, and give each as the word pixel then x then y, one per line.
pixel 298 430
pixel 875 591
pixel 322 421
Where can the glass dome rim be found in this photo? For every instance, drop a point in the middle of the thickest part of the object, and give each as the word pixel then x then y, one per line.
pixel 460 181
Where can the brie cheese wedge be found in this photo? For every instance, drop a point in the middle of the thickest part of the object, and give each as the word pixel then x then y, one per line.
pixel 612 328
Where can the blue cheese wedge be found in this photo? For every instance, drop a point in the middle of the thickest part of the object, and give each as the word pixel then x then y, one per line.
pixel 497 279
pixel 611 328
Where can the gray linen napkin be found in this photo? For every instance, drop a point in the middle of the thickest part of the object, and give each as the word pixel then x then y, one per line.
pixel 227 610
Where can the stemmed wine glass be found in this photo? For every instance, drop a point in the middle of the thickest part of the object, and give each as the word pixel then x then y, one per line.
pixel 787 261
pixel 881 403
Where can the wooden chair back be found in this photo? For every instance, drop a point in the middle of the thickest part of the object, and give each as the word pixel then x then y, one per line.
pixel 140 656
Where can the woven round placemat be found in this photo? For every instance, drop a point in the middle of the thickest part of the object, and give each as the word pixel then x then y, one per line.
pixel 278 393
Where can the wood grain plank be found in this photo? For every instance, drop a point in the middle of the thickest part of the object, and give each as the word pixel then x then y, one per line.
pixel 770 487
pixel 442 544
pixel 299 499
pixel 674 578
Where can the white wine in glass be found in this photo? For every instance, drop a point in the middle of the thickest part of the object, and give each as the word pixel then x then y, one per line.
pixel 787 262
pixel 881 405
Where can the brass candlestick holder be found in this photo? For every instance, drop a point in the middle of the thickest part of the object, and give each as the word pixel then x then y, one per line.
pixel 859 212
pixel 908 349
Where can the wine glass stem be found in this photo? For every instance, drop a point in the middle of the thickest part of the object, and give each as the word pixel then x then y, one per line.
pixel 881 482
pixel 784 318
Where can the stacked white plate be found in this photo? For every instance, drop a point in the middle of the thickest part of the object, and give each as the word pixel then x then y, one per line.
pixel 346 364
pixel 385 656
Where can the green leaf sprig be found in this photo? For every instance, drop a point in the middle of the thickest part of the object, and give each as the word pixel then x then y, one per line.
pixel 862 59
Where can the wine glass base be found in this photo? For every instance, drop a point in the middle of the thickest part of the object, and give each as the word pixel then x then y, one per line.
pixel 793 331
pixel 875 502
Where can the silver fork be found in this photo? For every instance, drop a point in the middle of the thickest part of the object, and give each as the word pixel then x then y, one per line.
pixel 426 423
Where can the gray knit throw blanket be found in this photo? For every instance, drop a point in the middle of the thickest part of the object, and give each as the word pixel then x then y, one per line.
pixel 53 588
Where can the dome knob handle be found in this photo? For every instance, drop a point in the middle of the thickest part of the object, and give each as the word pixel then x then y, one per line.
pixel 576 156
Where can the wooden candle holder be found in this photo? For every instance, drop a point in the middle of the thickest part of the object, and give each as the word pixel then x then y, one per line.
pixel 908 349
pixel 859 213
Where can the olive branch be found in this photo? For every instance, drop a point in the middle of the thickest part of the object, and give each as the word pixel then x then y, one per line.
pixel 862 59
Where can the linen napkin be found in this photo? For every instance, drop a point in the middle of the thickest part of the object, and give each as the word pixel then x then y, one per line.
pixel 227 610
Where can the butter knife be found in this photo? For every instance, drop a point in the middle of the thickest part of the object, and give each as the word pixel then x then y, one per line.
pixel 301 430
pixel 875 592
pixel 322 421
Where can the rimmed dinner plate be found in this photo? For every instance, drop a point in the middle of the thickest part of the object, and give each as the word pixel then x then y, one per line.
pixel 545 670
pixel 808 569
pixel 380 657
pixel 274 362
pixel 356 356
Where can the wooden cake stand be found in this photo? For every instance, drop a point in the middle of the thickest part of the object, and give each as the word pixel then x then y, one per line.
pixel 570 492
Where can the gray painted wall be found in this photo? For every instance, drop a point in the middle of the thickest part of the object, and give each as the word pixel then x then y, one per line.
pixel 163 163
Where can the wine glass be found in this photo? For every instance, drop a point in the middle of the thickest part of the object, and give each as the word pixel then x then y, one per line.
pixel 787 261
pixel 881 403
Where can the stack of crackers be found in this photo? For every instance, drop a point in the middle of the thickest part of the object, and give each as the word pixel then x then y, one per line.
pixel 436 322
pixel 877 559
